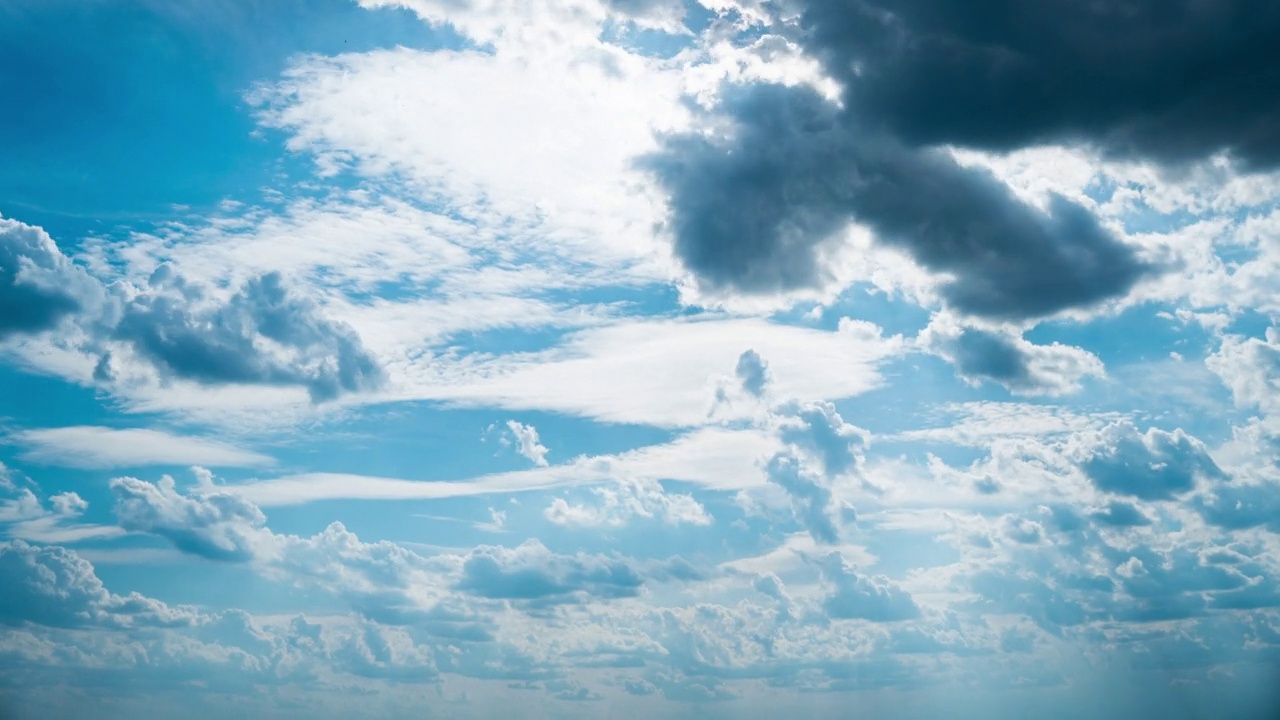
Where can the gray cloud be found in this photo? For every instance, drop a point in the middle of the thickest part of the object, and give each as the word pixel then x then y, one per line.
pixel 854 595
pixel 534 574
pixel 1006 358
pixel 756 212
pixel 753 372
pixel 54 586
pixel 39 286
pixel 262 335
pixel 1155 465
pixel 1169 80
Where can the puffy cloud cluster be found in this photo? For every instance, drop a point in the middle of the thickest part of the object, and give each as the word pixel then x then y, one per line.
pixel 216 525
pixel 624 501
pixel 55 586
pixel 39 286
pixel 263 334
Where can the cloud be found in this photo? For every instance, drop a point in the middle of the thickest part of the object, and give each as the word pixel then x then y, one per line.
pixel 853 595
pixel 1156 465
pixel 1250 368
pixel 261 335
pixel 527 444
pixel 39 286
pixel 1008 359
pixel 532 573
pixel 763 209
pixel 94 447
pixel 55 586
pixel 810 496
pixel 609 373
pixel 213 525
pixel 753 372
pixel 1241 506
pixel 940 73
pixel 622 502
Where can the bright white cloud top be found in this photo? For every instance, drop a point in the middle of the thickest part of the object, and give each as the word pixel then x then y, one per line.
pixel 640 359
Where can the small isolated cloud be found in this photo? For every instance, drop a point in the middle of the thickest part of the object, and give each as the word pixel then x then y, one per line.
pixel 94 447
pixel 216 525
pixel 752 372
pixel 1155 465
pixel 39 286
pixel 1006 358
pixel 263 334
pixel 621 503
pixel 527 442
pixel 854 595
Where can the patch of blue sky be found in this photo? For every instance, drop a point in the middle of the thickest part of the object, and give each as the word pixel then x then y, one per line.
pixel 861 301
pixel 130 109
pixel 897 552
pixel 1141 333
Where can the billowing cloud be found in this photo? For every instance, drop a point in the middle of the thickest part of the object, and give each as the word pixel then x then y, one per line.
pixel 622 502
pixel 1154 465
pixel 939 72
pixel 752 372
pixel 854 595
pixel 55 586
pixel 533 574
pixel 213 525
pixel 262 334
pixel 762 210
pixel 39 286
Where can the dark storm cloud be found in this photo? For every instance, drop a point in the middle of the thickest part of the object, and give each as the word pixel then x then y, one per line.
pixel 1169 80
pixel 755 212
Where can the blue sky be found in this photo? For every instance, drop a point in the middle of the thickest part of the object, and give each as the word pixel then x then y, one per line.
pixel 639 358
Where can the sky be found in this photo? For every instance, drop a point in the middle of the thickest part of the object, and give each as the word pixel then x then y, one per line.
pixel 640 359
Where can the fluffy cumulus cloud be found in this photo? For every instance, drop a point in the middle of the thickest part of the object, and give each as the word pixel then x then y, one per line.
pixel 260 335
pixel 533 574
pixel 1154 465
pixel 55 586
pixel 854 595
pixel 39 285
pixel 216 525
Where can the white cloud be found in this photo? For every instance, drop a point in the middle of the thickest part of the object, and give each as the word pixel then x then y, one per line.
pixel 88 446
pixel 527 443
pixel 664 372
pixel 714 458
pixel 622 502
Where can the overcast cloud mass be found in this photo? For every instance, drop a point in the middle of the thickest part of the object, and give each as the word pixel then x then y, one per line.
pixel 640 359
